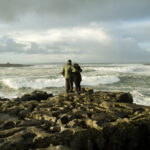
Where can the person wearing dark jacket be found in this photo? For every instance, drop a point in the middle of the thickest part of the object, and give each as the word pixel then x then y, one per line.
pixel 77 77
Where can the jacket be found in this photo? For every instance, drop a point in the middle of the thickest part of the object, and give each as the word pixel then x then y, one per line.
pixel 68 71
pixel 76 73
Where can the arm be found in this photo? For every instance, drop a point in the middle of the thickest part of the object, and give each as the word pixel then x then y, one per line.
pixel 73 69
pixel 63 72
pixel 80 70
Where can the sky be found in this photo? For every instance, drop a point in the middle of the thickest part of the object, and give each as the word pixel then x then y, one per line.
pixel 86 31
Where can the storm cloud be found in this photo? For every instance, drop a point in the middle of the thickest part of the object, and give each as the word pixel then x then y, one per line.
pixel 84 30
pixel 81 10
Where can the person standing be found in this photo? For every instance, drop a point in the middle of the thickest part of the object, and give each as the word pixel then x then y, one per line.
pixel 77 77
pixel 68 74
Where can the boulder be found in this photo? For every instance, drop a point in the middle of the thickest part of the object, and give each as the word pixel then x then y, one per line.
pixel 36 95
pixel 123 97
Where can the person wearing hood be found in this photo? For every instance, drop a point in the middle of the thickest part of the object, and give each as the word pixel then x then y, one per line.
pixel 68 75
pixel 77 77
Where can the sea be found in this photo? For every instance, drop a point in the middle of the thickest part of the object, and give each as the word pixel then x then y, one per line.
pixel 133 78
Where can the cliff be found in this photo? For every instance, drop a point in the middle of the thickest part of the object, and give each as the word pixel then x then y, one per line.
pixel 91 121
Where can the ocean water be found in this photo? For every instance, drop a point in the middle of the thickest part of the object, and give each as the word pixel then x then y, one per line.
pixel 133 78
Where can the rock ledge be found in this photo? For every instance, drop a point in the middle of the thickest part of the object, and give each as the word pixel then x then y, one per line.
pixel 89 121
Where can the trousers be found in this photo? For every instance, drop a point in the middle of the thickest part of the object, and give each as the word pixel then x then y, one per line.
pixel 77 86
pixel 69 85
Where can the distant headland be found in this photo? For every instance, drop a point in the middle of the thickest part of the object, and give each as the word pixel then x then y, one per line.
pixel 13 65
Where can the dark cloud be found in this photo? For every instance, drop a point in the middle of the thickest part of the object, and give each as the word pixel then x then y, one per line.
pixel 118 50
pixel 78 10
pixel 11 10
pixel 74 25
pixel 139 31
pixel 9 45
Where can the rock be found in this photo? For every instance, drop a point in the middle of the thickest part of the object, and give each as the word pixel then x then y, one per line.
pixel 3 99
pixel 87 140
pixel 59 147
pixel 54 129
pixel 125 97
pixel 92 121
pixel 87 90
pixel 113 97
pixel 36 95
pixel 24 113
pixel 17 139
pixel 9 125
pixel 41 142
pixel 64 119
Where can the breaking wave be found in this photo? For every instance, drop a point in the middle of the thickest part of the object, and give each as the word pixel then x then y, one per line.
pixel 18 83
pixel 34 83
pixel 141 99
pixel 97 80
pixel 124 68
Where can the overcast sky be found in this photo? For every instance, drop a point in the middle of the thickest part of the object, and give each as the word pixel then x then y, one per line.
pixel 39 31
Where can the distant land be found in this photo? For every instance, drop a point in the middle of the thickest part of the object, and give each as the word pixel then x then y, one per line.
pixel 13 65
pixel 147 64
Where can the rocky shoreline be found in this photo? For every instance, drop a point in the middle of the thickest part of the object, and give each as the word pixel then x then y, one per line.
pixel 92 121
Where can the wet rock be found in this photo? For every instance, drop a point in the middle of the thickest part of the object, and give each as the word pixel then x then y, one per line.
pixel 8 125
pixel 113 97
pixel 87 90
pixel 36 95
pixel 30 122
pixel 87 140
pixel 23 113
pixel 54 129
pixel 52 147
pixel 3 99
pixel 89 121
pixel 8 132
pixel 18 139
pixel 125 97
pixel 65 119
pixel 41 142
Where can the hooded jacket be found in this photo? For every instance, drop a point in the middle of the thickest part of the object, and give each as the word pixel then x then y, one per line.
pixel 76 75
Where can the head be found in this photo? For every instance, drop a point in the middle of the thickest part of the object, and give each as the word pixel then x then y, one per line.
pixel 75 65
pixel 69 62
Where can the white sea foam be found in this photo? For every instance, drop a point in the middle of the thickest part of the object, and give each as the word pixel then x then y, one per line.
pixel 122 68
pixel 97 80
pixel 144 70
pixel 46 66
pixel 140 98
pixel 15 83
pixel 9 96
pixel 18 83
